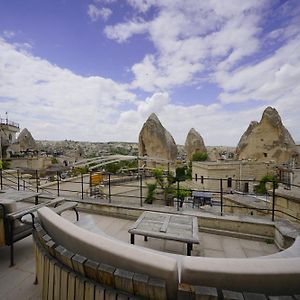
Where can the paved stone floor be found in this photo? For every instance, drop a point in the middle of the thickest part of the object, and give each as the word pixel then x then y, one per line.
pixel 17 282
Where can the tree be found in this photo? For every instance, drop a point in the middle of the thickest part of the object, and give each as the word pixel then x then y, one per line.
pixel 165 182
pixel 199 156
pixel 261 188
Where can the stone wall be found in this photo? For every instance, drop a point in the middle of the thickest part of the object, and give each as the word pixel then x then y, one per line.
pixel 34 163
pixel 287 204
pixel 237 170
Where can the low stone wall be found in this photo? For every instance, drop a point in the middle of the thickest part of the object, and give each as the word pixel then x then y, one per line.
pixel 287 204
pixel 66 273
pixel 244 227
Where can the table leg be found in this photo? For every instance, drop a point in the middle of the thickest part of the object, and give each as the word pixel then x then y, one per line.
pixel 189 248
pixel 145 238
pixel 132 238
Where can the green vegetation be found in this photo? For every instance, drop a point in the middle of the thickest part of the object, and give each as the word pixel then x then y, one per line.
pixel 54 161
pixel 165 182
pixel 261 188
pixel 79 170
pixel 4 164
pixel 199 156
pixel 118 166
pixel 184 173
pixel 182 193
pixel 151 192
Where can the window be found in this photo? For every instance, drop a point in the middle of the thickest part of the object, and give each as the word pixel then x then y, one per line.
pixel 229 182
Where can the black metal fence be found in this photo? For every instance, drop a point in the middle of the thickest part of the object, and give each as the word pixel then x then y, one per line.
pixel 226 194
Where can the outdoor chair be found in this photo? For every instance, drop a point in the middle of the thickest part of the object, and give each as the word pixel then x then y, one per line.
pixel 14 227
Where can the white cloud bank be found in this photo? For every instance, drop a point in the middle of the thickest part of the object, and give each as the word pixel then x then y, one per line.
pixel 196 42
pixel 54 103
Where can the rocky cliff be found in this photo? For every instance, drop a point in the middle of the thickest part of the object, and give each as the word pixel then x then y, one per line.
pixel 156 141
pixel 194 143
pixel 26 140
pixel 267 140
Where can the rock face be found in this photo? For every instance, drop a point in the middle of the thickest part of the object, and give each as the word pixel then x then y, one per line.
pixel 156 141
pixel 194 143
pixel 267 140
pixel 26 140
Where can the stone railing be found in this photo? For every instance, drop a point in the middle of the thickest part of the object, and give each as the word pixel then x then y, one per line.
pixel 75 262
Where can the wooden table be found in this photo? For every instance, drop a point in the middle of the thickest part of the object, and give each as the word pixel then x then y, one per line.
pixel 167 226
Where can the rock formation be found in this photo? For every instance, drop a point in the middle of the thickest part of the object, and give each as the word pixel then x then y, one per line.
pixel 155 141
pixel 267 140
pixel 26 140
pixel 194 143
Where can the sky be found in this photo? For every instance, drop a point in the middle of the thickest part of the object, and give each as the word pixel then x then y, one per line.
pixel 94 70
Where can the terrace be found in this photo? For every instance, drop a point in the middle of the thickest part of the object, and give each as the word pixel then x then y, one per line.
pixel 227 236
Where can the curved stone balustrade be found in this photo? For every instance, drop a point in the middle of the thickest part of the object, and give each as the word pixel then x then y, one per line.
pixel 89 258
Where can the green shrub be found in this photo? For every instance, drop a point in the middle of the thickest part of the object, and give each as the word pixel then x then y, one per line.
pixel 261 188
pixel 4 164
pixel 182 193
pixel 54 161
pixel 199 156
pixel 151 192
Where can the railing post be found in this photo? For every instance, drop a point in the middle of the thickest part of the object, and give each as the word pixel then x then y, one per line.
pixel 273 201
pixel 37 181
pixel 1 182
pixel 57 179
pixel 18 174
pixel 177 195
pixel 81 186
pixel 109 189
pixel 141 190
pixel 221 190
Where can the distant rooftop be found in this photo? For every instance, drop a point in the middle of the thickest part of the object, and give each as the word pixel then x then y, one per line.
pixel 8 122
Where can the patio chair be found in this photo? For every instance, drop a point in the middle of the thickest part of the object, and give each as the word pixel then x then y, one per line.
pixel 14 228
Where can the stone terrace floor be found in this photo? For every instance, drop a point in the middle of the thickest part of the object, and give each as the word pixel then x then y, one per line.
pixel 17 282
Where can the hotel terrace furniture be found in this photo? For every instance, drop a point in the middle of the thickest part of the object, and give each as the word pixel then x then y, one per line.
pixel 12 229
pixel 167 226
pixel 16 224
pixel 74 263
pixel 201 198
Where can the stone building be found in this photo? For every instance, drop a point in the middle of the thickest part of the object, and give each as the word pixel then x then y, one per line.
pixel 237 175
pixel 8 141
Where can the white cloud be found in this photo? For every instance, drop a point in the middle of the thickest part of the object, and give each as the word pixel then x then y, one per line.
pixel 269 79
pixel 142 5
pixel 216 125
pixel 56 103
pixel 123 31
pixel 7 34
pixel 188 37
pixel 95 13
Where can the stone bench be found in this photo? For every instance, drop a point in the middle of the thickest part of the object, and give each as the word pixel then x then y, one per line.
pixel 128 263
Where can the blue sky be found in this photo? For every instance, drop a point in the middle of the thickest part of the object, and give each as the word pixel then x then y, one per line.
pixel 94 70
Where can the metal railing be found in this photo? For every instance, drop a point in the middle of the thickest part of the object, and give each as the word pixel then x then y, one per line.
pixel 8 122
pixel 133 187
